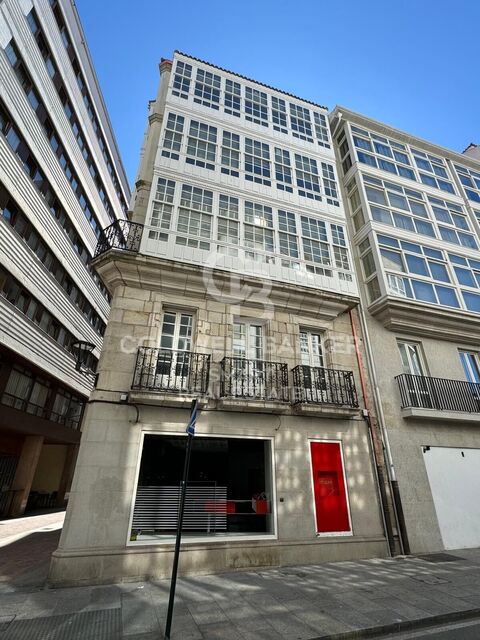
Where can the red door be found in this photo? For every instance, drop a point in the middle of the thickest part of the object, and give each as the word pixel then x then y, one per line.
pixel 329 488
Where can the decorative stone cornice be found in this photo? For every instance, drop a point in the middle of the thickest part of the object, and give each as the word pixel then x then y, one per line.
pixel 155 117
pixel 119 268
pixel 431 321
pixel 143 184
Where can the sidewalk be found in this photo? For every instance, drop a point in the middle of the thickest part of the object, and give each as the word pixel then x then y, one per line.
pixel 26 545
pixel 290 603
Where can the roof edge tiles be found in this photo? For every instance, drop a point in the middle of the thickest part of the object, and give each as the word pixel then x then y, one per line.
pixel 472 145
pixel 262 84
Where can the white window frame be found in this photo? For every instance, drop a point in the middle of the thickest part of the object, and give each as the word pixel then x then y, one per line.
pixel 321 335
pixel 178 314
pixel 248 323
pixel 420 356
pixel 468 364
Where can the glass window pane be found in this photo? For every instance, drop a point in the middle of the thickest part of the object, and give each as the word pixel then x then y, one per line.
pixel 466 240
pixel 405 172
pixel 472 301
pixel 374 195
pixel 381 215
pixel 383 149
pixel 392 260
pixel 439 271
pixel 386 165
pixel 424 291
pixel 425 228
pixel 417 265
pixel 418 208
pixel 465 277
pixel 403 222
pixel 366 159
pixel 447 296
pixel 391 242
pixel 398 201
pixel 362 144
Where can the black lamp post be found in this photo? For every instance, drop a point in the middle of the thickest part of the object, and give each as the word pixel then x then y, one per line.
pixel 82 349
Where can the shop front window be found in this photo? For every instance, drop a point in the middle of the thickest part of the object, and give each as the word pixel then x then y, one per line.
pixel 229 491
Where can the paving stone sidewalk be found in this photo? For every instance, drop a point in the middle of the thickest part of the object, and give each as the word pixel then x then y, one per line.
pixel 26 545
pixel 290 603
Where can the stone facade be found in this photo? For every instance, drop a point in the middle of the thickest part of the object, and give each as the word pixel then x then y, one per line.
pixel 95 544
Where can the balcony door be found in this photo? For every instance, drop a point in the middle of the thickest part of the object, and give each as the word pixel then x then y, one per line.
pixel 248 369
pixel 471 369
pixel 313 363
pixel 417 383
pixel 469 362
pixel 173 362
pixel 311 349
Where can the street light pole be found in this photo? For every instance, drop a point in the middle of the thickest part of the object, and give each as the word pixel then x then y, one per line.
pixel 181 510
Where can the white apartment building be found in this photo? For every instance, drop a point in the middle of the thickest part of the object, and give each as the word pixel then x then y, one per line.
pixel 233 284
pixel 414 215
pixel 61 183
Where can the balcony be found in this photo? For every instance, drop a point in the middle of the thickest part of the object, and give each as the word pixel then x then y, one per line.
pixel 324 391
pixel 264 384
pixel 122 234
pixel 424 397
pixel 167 372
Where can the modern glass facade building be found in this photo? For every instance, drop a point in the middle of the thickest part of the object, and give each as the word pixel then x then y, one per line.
pixel 61 183
pixel 414 211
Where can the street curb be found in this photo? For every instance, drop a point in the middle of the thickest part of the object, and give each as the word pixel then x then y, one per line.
pixel 404 625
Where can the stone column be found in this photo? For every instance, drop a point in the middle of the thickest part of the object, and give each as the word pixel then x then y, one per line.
pixel 151 142
pixel 27 465
pixel 67 474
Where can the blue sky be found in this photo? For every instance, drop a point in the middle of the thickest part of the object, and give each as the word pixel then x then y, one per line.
pixel 412 63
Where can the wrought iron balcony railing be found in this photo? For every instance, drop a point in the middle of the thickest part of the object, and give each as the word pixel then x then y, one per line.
pixel 171 371
pixel 438 393
pixel 122 234
pixel 318 385
pixel 255 379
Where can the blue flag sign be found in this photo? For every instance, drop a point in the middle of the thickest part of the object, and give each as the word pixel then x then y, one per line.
pixel 193 419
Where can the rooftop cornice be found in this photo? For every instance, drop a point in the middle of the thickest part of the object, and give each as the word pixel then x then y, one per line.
pixel 261 84
pixel 402 136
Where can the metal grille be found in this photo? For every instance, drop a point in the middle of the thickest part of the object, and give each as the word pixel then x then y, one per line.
pixel 173 371
pixel 256 379
pixel 438 393
pixel 156 508
pixel 439 557
pixel 105 624
pixel 122 234
pixel 319 385
pixel 8 466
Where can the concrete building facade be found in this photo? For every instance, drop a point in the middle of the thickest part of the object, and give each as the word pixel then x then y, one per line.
pixel 233 284
pixel 414 212
pixel 61 183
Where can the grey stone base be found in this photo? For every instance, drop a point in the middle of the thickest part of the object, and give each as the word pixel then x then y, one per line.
pixel 154 562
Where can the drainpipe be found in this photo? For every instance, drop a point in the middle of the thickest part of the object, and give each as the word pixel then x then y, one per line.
pixel 379 446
